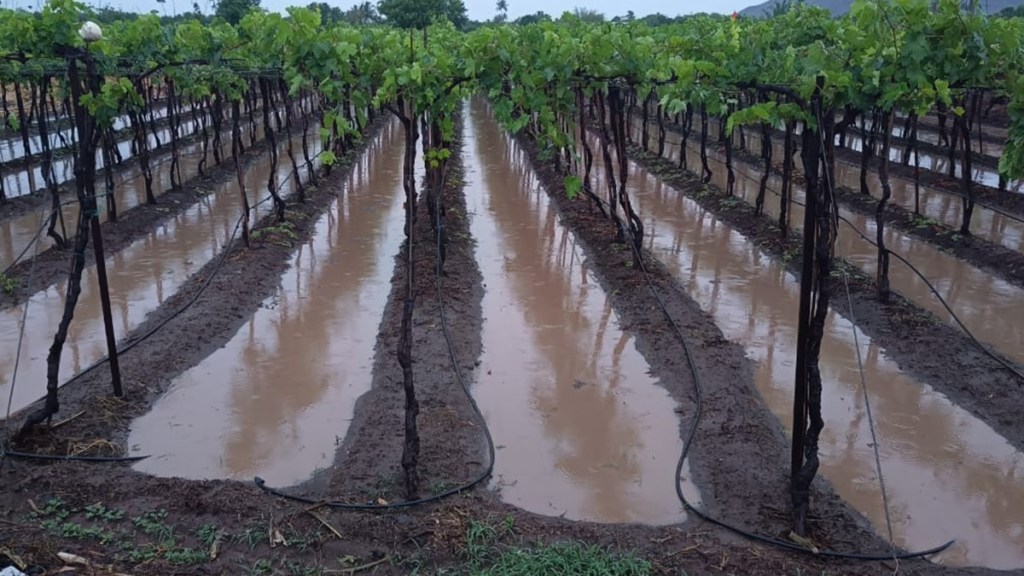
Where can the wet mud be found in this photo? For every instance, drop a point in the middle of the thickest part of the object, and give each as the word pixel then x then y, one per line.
pixel 453 450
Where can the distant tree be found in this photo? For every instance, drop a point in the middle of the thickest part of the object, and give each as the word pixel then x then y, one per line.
pixel 329 15
pixel 419 13
pixel 233 11
pixel 657 19
pixel 107 14
pixel 502 14
pixel 1011 12
pixel 532 18
pixel 783 7
pixel 588 15
pixel 362 14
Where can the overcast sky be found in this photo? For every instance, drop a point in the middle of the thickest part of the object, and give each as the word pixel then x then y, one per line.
pixel 478 9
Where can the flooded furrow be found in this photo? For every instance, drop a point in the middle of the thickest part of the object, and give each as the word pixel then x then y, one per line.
pixel 583 431
pixel 938 205
pixel 129 190
pixel 29 180
pixel 14 148
pixel 991 308
pixel 141 277
pixel 277 397
pixel 947 473
pixel 930 135
pixel 935 204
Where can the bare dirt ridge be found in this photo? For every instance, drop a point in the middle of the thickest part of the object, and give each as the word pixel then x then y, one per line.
pixel 737 459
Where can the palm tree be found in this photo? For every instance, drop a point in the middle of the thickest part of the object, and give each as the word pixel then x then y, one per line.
pixel 502 14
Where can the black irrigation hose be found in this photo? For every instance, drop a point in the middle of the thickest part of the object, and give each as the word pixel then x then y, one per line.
pixel 58 458
pixel 261 484
pixel 692 432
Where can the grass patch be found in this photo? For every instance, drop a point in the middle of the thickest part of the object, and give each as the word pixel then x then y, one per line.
pixel 487 556
pixel 8 285
pixel 573 558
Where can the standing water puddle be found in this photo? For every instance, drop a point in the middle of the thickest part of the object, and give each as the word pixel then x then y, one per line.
pixel 141 277
pixel 991 308
pixel 129 190
pixel 275 400
pixel 948 474
pixel 941 206
pixel 583 431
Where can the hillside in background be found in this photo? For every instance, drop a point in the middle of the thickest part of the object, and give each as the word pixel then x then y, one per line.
pixel 838 7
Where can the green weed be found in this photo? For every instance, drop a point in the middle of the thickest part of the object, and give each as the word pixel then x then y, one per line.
pixel 8 284
pixel 569 559
pixel 253 534
pixel 182 556
pixel 286 229
pixel 153 524
pixel 207 533
pixel 98 511
pixel 921 222
pixel 262 567
pixel 144 553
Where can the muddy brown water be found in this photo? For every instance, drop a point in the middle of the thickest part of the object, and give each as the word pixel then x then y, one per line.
pixel 947 473
pixel 582 430
pixel 14 148
pixel 935 204
pixel 129 191
pixel 141 277
pixel 29 180
pixel 991 308
pixel 277 397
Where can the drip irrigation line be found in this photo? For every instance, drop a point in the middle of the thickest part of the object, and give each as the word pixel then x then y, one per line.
pixel 261 484
pixel 931 287
pixel 829 182
pixel 59 458
pixel 692 432
pixel 871 420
